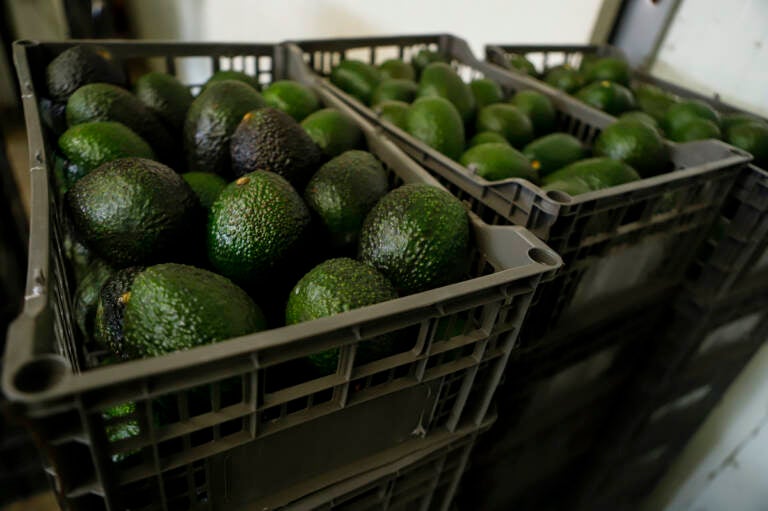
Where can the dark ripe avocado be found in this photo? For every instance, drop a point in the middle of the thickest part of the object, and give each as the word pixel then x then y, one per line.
pixel 210 122
pixel 253 224
pixel 105 102
pixel 173 307
pixel 54 115
pixel 78 66
pixel 333 287
pixel 418 237
pixel 134 211
pixel 344 190
pixel 89 145
pixel 166 96
pixel 110 310
pixel 87 296
pixel 270 139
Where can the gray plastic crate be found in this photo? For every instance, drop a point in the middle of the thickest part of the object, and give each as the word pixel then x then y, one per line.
pixel 201 418
pixel 623 247
pixel 701 354
pixel 739 246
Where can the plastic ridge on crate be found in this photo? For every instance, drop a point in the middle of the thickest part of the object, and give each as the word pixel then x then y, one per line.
pixel 729 258
pixel 197 418
pixel 700 355
pixel 625 246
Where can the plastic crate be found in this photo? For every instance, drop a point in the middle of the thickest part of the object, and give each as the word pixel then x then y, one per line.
pixel 700 355
pixel 549 420
pixel 427 479
pixel 739 247
pixel 623 247
pixel 224 406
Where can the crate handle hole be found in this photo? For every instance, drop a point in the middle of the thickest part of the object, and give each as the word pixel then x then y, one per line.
pixel 541 256
pixel 40 374
pixel 26 42
pixel 558 196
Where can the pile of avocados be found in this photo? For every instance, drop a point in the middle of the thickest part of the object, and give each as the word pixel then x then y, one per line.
pixel 497 137
pixel 606 84
pixel 192 219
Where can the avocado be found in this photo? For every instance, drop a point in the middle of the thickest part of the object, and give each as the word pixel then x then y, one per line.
pixel 752 136
pixel 206 185
pixel 344 190
pixel 654 101
pixel 680 113
pixel 173 307
pixel 590 175
pixel 694 128
pixel 120 424
pixel 332 131
pixel 520 63
pixel 439 79
pixel 396 68
pixel 394 89
pixel 356 78
pixel 729 120
pixel 487 137
pixel 418 237
pixel 133 211
pixel 639 116
pixel 255 222
pixel 424 58
pixel 496 161
pixel 437 123
pixel 270 139
pixel 635 143
pixel 54 115
pixel 89 145
pixel 293 98
pixel 509 121
pixel 538 108
pixel 110 311
pixel 565 78
pixel 486 92
pixel 609 97
pixel 212 119
pixel 238 76
pixel 87 296
pixel 78 66
pixel 336 286
pixel 395 112
pixel 610 69
pixel 104 102
pixel 78 255
pixel 167 97
pixel 552 152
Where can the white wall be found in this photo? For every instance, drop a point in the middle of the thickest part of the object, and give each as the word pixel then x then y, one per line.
pixel 717 47
pixel 480 21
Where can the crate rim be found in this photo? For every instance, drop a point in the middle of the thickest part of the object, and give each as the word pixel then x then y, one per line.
pixel 69 384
